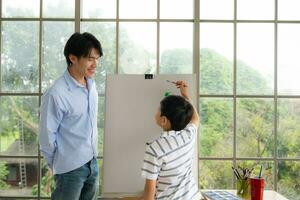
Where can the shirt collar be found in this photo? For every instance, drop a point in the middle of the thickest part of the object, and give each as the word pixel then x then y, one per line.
pixel 169 133
pixel 73 83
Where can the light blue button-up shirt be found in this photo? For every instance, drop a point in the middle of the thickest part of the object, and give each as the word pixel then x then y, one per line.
pixel 68 124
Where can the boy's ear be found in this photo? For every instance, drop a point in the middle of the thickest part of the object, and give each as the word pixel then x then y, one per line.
pixel 164 121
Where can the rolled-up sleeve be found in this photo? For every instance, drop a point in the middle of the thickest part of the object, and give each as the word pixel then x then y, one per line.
pixel 50 118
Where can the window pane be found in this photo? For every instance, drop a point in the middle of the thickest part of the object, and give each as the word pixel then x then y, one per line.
pixel 288 61
pixel 13 182
pixel 288 9
pixel 100 165
pixel 216 58
pixel 97 9
pixel 255 54
pixel 216 132
pixel 20 8
pixel 255 128
pixel 101 107
pixel 215 174
pixel 59 8
pixel 19 125
pixel 216 9
pixel 176 48
pixel 176 9
pixel 138 9
pixel 288 128
pixel 105 32
pixel 255 9
pixel 55 36
pixel 47 181
pixel 20 53
pixel 267 171
pixel 137 55
pixel 289 179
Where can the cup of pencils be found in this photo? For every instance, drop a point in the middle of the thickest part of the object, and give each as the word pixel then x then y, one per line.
pixel 243 182
pixel 257 187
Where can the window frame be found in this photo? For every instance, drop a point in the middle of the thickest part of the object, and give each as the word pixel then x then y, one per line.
pixel 196 69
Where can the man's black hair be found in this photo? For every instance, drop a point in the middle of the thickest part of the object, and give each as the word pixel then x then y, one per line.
pixel 80 45
pixel 177 110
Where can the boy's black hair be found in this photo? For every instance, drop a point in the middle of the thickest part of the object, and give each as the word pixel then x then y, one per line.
pixel 80 45
pixel 177 110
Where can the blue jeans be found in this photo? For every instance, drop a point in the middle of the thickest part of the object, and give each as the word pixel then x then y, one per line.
pixel 78 184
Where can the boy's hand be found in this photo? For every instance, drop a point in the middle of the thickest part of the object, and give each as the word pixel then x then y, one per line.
pixel 183 86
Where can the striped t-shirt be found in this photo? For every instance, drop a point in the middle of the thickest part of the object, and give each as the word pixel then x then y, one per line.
pixel 169 160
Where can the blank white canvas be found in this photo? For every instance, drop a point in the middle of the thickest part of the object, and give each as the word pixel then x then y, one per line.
pixel 130 105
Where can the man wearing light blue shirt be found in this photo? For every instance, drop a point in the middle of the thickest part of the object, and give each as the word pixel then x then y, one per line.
pixel 68 122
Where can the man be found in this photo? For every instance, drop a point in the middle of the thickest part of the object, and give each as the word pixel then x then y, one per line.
pixel 68 122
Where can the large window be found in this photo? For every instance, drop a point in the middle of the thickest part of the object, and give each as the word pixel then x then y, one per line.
pixel 245 53
pixel 249 92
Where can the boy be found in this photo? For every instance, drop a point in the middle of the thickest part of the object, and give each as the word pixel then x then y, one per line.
pixel 168 160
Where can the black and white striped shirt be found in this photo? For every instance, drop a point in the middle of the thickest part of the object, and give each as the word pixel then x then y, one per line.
pixel 169 160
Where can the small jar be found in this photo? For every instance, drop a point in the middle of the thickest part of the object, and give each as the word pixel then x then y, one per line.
pixel 243 188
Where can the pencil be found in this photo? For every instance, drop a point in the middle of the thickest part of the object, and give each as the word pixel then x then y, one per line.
pixel 260 172
pixel 171 81
pixel 235 171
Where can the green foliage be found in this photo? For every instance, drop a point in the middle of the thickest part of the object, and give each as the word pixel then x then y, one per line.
pixel 255 128
pixel 215 73
pixel 20 56
pixel 249 81
pixel 215 175
pixel 255 125
pixel 47 185
pixel 3 174
pixel 215 131
pixel 176 61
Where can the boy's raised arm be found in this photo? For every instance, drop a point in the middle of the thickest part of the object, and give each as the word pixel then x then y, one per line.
pixel 182 85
